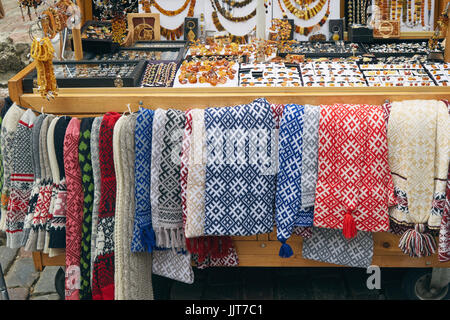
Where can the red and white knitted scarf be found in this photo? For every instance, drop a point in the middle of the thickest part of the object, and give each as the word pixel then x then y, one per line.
pixel 354 184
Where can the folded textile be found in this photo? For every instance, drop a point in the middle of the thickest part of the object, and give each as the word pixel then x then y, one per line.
pixel 133 272
pixel 74 211
pixel 330 245
pixel 103 275
pixel 354 185
pixel 230 259
pixel 419 152
pixel 22 178
pixel 444 231
pixel 167 216
pixel 95 133
pixel 289 210
pixel 143 239
pixel 240 170
pixel 9 127
pixel 173 265
pixel 84 159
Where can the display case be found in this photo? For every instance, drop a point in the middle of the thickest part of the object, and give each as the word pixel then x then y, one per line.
pixel 95 38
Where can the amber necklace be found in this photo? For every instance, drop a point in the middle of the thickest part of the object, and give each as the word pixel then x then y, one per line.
pixel 169 13
pixel 304 14
pixel 215 4
pixel 239 39
pixel 236 4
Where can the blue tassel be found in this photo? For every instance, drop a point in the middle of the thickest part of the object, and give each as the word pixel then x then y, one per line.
pixel 148 238
pixel 285 250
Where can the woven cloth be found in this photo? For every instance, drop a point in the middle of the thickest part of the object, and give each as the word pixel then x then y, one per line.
pixel 58 221
pixel 143 239
pixel 95 133
pixel 36 239
pixel 9 127
pixel 240 176
pixel 133 273
pixel 444 232
pixel 289 209
pixel 167 216
pixel 84 158
pixel 419 146
pixel 354 185
pixel 329 245
pixel 172 265
pixel 37 177
pixel 22 178
pixel 74 212
pixel 103 275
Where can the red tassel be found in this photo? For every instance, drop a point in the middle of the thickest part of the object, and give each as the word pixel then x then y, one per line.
pixel 349 229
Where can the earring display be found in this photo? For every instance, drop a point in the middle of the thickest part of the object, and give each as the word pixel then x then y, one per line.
pixel 269 75
pixel 440 72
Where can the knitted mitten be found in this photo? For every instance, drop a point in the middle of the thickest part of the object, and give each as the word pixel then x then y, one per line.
pixel 3 112
pixel 22 179
pixel 103 277
pixel 84 157
pixel 74 212
pixel 9 127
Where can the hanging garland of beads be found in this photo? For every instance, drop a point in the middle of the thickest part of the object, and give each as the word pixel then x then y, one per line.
pixel 238 39
pixel 304 14
pixel 169 13
pixel 216 5
pixel 235 4
pixel 42 52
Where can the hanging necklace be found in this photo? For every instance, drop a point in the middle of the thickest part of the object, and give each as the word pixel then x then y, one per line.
pixel 169 13
pixel 234 4
pixel 215 4
pixel 304 14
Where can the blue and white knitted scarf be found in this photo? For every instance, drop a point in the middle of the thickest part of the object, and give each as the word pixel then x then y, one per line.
pixel 240 170
pixel 289 211
pixel 143 234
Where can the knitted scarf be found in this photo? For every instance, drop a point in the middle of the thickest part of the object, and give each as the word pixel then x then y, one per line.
pixel 143 235
pixel 22 178
pixel 330 245
pixel 133 273
pixel 9 127
pixel 95 134
pixel 55 179
pixel 211 250
pixel 167 216
pixel 103 276
pixel 58 222
pixel 36 239
pixel 3 112
pixel 173 265
pixel 289 209
pixel 419 156
pixel 354 183
pixel 240 181
pixel 84 158
pixel 74 211
pixel 37 177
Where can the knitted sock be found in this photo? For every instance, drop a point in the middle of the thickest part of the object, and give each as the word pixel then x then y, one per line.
pixel 84 156
pixel 9 127
pixel 58 222
pixel 95 132
pixel 22 179
pixel 103 277
pixel 5 109
pixel 74 212
pixel 37 177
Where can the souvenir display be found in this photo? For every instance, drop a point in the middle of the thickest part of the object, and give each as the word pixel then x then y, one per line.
pixel 269 75
pixel 130 54
pixel 389 75
pixel 401 47
pixel 97 32
pixel 207 73
pixel 159 74
pixel 323 48
pixel 440 72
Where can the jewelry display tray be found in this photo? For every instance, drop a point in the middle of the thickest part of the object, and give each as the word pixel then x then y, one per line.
pixel 394 41
pixel 177 62
pixel 133 80
pixel 181 51
pixel 360 51
pixel 97 45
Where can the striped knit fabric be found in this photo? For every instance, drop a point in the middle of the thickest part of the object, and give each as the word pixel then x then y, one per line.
pixel 84 157
pixel 103 276
pixel 22 179
pixel 74 212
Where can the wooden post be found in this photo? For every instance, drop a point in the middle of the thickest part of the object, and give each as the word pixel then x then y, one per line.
pixel 77 45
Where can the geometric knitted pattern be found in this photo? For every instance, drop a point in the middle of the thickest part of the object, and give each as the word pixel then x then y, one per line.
pixel 354 175
pixel 330 245
pixel 240 181
pixel 74 212
pixel 231 259
pixel 289 212
pixel 444 233
pixel 22 179
pixel 143 217
pixel 169 264
pixel 84 157
pixel 184 161
pixel 103 276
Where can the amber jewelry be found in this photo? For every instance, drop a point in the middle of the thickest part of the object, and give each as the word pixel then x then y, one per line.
pixel 28 4
pixel 422 12
pixel 233 38
pixel 304 31
pixel 42 52
pixel 283 12
pixel 118 28
pixel 216 21
pixel 170 13
pixel 145 5
pixel 176 33
pixel 304 14
pixel 282 28
pixel 235 4
pixel 228 16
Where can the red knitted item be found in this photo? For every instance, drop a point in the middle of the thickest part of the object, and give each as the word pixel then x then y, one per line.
pixel 103 277
pixel 354 185
pixel 74 212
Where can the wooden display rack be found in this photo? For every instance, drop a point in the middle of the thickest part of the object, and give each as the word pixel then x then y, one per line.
pixel 260 250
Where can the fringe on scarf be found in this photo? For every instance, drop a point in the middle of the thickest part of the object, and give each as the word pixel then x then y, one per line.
pixel 416 243
pixel 170 238
pixel 214 247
